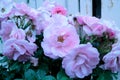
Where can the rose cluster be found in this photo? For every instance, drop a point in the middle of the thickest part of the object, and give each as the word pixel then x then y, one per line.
pixel 83 43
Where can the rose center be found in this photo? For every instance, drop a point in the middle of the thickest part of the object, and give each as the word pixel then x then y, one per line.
pixel 58 11
pixel 60 39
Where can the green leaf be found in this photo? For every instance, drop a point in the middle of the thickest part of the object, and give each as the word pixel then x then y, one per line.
pixel 44 67
pixel 107 75
pixel 15 66
pixel 101 77
pixel 18 79
pixel 115 76
pixel 26 66
pixel 3 59
pixel 30 75
pixel 65 78
pixel 41 74
pixel 49 78
pixel 10 76
pixel 62 76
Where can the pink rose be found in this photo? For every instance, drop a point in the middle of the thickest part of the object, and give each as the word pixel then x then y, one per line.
pixel 42 22
pixel 20 50
pixel 87 20
pixel 58 19
pixel 87 30
pixel 59 39
pixel 112 59
pixel 95 29
pixel 58 10
pixel 32 15
pixel 98 29
pixel 17 33
pixel 24 9
pixel 111 33
pixel 46 20
pixel 91 25
pixel 81 60
pixel 6 28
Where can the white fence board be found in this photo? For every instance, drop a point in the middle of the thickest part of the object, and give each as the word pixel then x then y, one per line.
pixel 20 1
pixel 39 3
pixel 86 7
pixel 111 11
pixel 72 6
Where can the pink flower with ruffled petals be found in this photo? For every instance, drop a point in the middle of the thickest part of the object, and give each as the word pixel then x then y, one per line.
pixel 111 33
pixel 20 50
pixel 98 29
pixel 17 33
pixel 112 59
pixel 31 15
pixel 58 19
pixel 91 25
pixel 81 61
pixel 87 20
pixel 58 10
pixel 6 29
pixel 59 39
pixel 23 9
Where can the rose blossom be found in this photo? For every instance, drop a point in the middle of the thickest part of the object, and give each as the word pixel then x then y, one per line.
pixel 59 39
pixel 58 19
pixel 112 59
pixel 17 33
pixel 87 20
pixel 81 60
pixel 95 29
pixel 58 10
pixel 41 22
pixel 91 25
pixel 23 8
pixel 20 50
pixel 111 33
pixel 34 16
pixel 98 29
pixel 6 28
pixel 55 20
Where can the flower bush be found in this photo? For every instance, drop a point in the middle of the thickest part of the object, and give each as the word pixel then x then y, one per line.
pixel 46 44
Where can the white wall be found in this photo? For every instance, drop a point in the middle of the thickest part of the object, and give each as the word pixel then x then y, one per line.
pixel 111 11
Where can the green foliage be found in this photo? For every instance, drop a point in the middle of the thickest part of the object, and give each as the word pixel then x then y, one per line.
pixel 30 75
pixel 41 74
pixel 62 76
pixel 49 77
pixel 100 74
